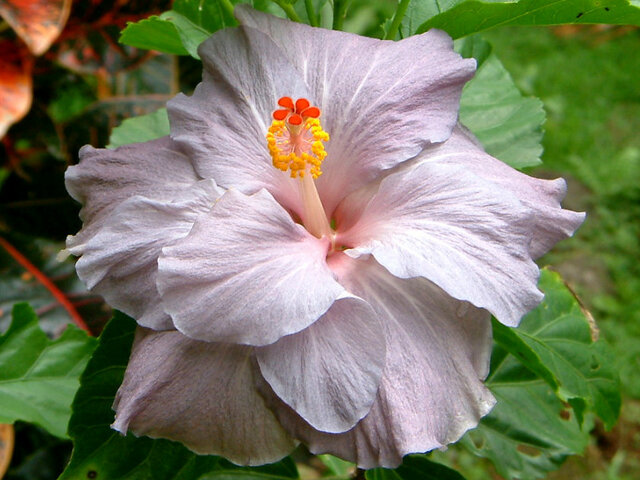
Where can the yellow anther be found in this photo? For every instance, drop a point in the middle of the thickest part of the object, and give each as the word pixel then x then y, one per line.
pixel 297 149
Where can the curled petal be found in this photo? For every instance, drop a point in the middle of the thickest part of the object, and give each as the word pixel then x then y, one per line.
pixel 104 178
pixel 120 261
pixel 382 102
pixel 223 124
pixel 329 372
pixel 431 391
pixel 246 273
pixel 201 394
pixel 455 229
pixel 551 223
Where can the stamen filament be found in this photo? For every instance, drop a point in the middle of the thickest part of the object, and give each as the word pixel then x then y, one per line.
pixel 314 218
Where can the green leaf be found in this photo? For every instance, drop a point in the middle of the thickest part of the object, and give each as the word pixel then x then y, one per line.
pixel 211 16
pixel 140 129
pixel 464 17
pixel 337 466
pixel 181 30
pixel 70 102
pixel 544 374
pixel 556 341
pixel 508 125
pixel 418 13
pixel 39 376
pixel 154 33
pixel 284 470
pixel 529 432
pixel 191 34
pixel 102 453
pixel 4 174
pixel 474 47
pixel 415 467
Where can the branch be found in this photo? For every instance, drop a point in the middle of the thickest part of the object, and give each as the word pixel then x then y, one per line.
pixel 47 283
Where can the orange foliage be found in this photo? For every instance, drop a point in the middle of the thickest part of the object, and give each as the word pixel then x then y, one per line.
pixel 15 84
pixel 37 22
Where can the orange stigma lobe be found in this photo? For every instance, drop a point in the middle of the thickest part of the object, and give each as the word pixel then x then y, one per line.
pixel 295 113
pixel 286 102
pixel 280 114
pixel 301 104
pixel 295 119
pixel 313 112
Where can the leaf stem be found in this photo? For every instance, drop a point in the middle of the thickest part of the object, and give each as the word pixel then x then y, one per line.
pixel 397 18
pixel 288 9
pixel 339 13
pixel 228 6
pixel 311 13
pixel 47 283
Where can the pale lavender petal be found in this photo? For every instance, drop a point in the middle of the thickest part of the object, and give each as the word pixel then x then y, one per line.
pixel 551 223
pixel 431 392
pixel 382 102
pixel 329 372
pixel 120 261
pixel 223 125
pixel 201 394
pixel 455 229
pixel 246 273
pixel 104 178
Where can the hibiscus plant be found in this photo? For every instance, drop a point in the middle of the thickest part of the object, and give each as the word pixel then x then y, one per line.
pixel 326 255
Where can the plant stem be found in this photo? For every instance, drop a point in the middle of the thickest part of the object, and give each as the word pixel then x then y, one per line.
pixel 227 6
pixel 339 13
pixel 288 9
pixel 311 13
pixel 397 18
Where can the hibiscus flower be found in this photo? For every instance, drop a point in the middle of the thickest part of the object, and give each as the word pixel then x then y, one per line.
pixel 315 251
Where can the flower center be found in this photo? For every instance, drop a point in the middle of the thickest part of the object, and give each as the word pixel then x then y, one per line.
pixel 295 138
pixel 295 143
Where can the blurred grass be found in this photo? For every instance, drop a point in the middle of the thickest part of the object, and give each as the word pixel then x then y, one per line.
pixel 588 80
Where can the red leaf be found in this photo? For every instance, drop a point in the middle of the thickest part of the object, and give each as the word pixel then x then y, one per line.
pixel 15 84
pixel 38 22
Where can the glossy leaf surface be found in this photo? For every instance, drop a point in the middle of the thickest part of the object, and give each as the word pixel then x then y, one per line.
pixel 154 33
pixel 548 359
pixel 39 377
pixel 508 124
pixel 464 17
pixel 140 129
pixel 559 337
